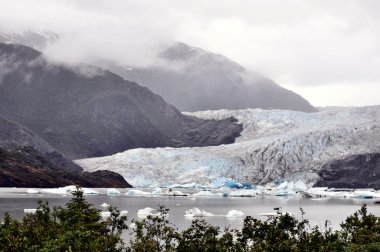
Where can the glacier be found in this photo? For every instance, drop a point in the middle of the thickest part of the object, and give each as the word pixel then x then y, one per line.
pixel 274 144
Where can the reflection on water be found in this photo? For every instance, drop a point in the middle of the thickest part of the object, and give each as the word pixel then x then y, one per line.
pixel 317 211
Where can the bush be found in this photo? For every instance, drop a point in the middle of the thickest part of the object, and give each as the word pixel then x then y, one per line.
pixel 79 227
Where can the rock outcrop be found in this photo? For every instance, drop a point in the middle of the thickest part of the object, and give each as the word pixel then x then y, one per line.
pixel 356 171
pixel 26 167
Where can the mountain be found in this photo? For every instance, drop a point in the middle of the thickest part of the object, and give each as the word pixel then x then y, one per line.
pixel 84 111
pixel 193 79
pixel 26 167
pixel 14 135
pixel 274 144
pixel 26 160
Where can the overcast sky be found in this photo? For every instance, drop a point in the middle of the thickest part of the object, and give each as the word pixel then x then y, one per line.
pixel 327 51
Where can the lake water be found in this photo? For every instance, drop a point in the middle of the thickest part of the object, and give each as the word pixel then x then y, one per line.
pixel 15 200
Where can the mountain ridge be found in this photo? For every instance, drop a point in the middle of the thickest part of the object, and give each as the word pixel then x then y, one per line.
pixel 88 111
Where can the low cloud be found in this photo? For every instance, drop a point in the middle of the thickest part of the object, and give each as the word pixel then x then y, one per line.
pixel 296 43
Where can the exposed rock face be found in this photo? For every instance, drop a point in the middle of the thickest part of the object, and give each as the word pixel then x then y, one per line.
pixel 26 167
pixel 87 112
pixel 356 171
pixel 13 135
pixel 193 79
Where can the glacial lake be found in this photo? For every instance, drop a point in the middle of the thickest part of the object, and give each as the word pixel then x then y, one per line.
pixel 15 200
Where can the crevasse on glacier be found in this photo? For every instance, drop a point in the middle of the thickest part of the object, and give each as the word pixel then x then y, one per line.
pixel 274 144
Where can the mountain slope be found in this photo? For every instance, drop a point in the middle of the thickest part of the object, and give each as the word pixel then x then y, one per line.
pixel 26 167
pixel 273 144
pixel 193 79
pixel 13 136
pixel 85 111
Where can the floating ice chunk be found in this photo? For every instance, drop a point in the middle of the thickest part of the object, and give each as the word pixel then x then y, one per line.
pixel 132 225
pixel 171 192
pixel 143 213
pixel 87 191
pixel 113 191
pixel 136 192
pixel 269 214
pixel 196 212
pixel 283 192
pixel 235 214
pixel 105 214
pixel 300 186
pixel 363 194
pixel 32 191
pixel 187 185
pixel 283 185
pixel 61 190
pixel 207 194
pixel 68 190
pixel 157 191
pixel 243 193
pixel 274 214
pixel 104 205
pixel 30 210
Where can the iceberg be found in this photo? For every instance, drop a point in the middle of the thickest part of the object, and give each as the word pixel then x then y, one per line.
pixel 105 214
pixel 32 191
pixel 68 190
pixel 365 194
pixel 104 205
pixel 157 191
pixel 148 211
pixel 171 192
pixel 283 192
pixel 235 214
pixel 136 192
pixel 207 194
pixel 244 193
pixel 30 210
pixel 230 183
pixel 196 212
pixel 113 191
pixel 300 186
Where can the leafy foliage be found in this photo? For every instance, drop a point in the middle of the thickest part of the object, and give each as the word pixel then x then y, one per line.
pixel 79 227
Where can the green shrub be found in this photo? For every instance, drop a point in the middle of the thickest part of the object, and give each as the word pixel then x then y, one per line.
pixel 76 227
pixel 79 227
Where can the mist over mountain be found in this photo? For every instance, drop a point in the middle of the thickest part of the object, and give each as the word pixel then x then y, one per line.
pixel 191 78
pixel 84 111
